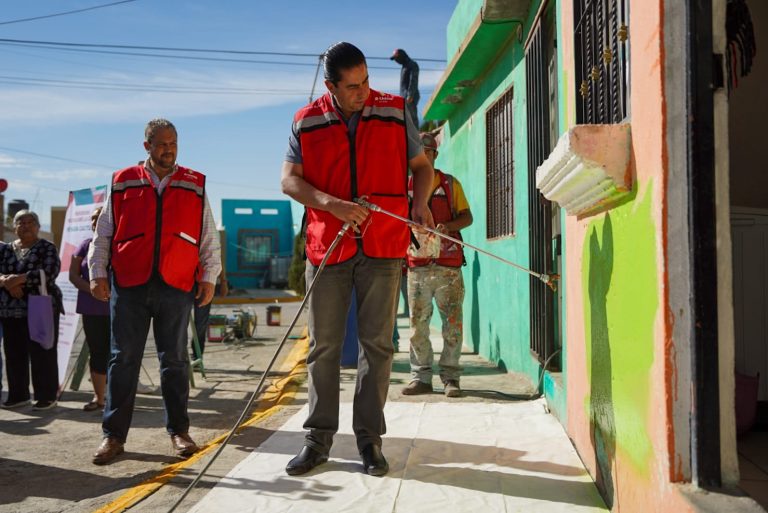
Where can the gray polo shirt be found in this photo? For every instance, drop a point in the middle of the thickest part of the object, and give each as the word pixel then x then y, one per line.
pixel 414 141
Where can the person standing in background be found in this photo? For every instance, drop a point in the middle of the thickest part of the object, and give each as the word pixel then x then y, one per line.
pixel 95 315
pixel 438 277
pixel 409 82
pixel 20 264
pixel 156 231
pixel 202 316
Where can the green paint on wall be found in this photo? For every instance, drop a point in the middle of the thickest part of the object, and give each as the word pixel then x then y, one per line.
pixel 620 287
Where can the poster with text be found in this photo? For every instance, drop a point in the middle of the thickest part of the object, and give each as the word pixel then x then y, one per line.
pixel 77 228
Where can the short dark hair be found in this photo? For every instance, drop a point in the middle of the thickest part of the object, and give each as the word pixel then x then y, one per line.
pixel 338 57
pixel 154 125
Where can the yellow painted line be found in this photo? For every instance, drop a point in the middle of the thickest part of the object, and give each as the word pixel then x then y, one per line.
pixel 276 397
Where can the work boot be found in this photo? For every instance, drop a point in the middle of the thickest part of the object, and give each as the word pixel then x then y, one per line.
pixel 452 388
pixel 417 387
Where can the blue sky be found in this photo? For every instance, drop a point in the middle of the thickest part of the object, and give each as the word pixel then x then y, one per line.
pixel 233 118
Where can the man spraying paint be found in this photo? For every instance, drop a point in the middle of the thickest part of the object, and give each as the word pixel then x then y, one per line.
pixel 350 143
pixel 436 274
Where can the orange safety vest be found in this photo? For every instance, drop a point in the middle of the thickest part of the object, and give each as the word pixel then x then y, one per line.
pixel 375 167
pixel 442 208
pixel 156 233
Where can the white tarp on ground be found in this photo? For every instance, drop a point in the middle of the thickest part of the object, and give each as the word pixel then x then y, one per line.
pixel 443 457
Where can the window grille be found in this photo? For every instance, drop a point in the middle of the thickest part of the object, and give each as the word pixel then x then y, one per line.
pixel 541 102
pixel 255 248
pixel 499 168
pixel 602 60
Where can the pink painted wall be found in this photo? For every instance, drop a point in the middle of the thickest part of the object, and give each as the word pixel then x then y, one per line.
pixel 618 375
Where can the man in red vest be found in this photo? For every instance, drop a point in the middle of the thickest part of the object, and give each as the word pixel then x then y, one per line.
pixel 353 142
pixel 437 275
pixel 154 232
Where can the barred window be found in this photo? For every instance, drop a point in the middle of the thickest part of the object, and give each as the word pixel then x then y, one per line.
pixel 602 60
pixel 254 248
pixel 499 168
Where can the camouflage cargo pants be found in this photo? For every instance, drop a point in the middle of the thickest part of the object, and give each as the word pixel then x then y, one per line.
pixel 446 286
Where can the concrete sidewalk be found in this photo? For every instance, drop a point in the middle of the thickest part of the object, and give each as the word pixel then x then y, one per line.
pixel 484 451
pixel 530 465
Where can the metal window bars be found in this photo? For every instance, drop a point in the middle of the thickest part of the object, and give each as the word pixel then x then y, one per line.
pixel 539 122
pixel 499 168
pixel 602 60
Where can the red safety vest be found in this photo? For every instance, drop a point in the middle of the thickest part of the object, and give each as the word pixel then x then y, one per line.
pixel 375 166
pixel 442 208
pixel 156 232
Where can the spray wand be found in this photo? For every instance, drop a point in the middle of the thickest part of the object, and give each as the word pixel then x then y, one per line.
pixel 550 280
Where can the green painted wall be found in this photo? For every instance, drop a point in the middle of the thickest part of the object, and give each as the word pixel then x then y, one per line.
pixel 496 307
pixel 463 15
pixel 620 288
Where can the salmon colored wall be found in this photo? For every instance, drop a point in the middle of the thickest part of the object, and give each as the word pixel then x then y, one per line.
pixel 616 277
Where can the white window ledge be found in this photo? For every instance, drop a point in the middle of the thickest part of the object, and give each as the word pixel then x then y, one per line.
pixel 589 169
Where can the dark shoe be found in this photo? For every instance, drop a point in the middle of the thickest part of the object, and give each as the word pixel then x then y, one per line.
pixel 9 405
pixel 417 387
pixel 452 388
pixel 374 462
pixel 109 449
pixel 93 406
pixel 183 445
pixel 44 405
pixel 306 460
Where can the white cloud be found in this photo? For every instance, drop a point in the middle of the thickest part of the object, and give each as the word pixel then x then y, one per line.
pixel 9 161
pixel 33 106
pixel 30 105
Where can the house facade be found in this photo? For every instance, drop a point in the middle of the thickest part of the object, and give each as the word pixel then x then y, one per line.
pixel 591 139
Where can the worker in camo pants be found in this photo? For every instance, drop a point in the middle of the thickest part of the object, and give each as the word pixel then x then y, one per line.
pixel 434 272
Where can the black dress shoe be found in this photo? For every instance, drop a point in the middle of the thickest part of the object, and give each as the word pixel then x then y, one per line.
pixel 306 460
pixel 373 460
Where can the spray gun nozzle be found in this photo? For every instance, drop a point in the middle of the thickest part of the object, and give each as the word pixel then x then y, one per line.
pixel 550 280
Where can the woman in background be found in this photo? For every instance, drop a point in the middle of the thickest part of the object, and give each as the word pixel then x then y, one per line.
pixel 20 265
pixel 95 316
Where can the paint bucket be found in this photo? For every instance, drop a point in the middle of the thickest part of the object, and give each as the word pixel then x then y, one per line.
pixel 273 315
pixel 217 328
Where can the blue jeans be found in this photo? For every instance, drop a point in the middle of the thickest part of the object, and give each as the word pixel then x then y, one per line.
pixel 375 282
pixel 132 308
pixel 202 319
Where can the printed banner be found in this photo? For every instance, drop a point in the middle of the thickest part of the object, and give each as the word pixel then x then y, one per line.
pixel 77 228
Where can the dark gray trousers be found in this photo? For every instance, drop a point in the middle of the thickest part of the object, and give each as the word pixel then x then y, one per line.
pixel 376 283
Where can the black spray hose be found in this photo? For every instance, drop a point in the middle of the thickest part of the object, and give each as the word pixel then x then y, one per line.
pixel 539 390
pixel 550 280
pixel 256 392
